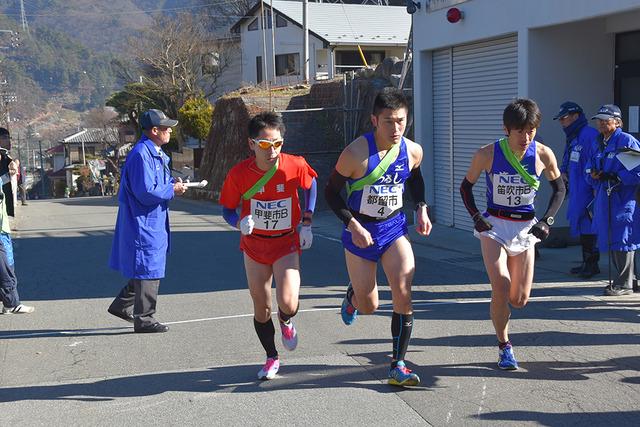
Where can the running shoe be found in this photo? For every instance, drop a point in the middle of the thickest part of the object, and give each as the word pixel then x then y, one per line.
pixel 270 369
pixel 506 359
pixel 18 309
pixel 348 311
pixel 289 335
pixel 402 376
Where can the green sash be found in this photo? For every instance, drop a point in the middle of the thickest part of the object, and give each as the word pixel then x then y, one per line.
pixel 513 161
pixel 262 181
pixel 377 172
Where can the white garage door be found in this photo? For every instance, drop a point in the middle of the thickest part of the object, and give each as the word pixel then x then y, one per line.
pixel 483 79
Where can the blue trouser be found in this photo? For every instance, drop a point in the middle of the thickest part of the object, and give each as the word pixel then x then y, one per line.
pixel 8 281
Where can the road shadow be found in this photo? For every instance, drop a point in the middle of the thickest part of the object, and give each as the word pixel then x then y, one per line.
pixel 62 333
pixel 613 418
pixel 232 379
pixel 528 339
pixel 551 370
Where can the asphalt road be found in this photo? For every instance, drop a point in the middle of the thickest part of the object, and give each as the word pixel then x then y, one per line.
pixel 71 363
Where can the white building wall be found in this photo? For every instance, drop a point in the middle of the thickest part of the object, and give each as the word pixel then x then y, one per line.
pixel 565 51
pixel 288 39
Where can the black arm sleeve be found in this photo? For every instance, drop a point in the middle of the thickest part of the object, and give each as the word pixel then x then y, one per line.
pixel 334 199
pixel 466 191
pixel 557 197
pixel 415 184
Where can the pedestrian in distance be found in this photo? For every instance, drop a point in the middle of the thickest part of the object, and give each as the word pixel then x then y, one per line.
pixel 11 303
pixel 265 187
pixel 141 239
pixel 509 230
pixel 615 216
pixel 376 169
pixel 580 145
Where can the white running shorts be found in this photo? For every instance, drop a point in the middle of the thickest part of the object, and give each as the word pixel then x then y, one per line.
pixel 512 235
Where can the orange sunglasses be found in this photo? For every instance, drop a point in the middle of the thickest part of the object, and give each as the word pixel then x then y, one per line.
pixel 265 144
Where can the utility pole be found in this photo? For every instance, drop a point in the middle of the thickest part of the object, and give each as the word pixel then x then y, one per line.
pixel 42 186
pixel 305 40
pixel 23 19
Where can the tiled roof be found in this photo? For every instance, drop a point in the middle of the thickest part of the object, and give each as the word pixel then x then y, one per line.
pixel 93 135
pixel 348 24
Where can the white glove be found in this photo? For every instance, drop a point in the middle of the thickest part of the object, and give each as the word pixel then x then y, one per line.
pixel 246 225
pixel 306 237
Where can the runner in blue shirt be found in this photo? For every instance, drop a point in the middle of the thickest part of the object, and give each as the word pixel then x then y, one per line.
pixel 375 169
pixel 508 230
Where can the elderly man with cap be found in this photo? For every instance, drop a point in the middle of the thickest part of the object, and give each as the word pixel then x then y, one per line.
pixel 141 239
pixel 615 204
pixel 581 144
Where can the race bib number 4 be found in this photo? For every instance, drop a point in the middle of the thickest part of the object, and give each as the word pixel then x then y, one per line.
pixel 379 201
pixel 512 191
pixel 271 214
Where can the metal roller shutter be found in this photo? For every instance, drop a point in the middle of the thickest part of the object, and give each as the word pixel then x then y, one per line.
pixel 442 147
pixel 484 81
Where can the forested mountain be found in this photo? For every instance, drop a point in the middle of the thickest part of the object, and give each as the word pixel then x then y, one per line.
pixel 66 58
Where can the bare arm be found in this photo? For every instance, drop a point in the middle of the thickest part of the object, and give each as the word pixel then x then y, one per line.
pixel 548 159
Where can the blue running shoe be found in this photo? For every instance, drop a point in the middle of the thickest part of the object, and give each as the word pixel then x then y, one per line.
pixel 506 359
pixel 402 376
pixel 348 311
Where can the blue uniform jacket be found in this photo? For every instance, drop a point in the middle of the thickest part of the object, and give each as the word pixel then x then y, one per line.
pixel 623 203
pixel 578 156
pixel 141 240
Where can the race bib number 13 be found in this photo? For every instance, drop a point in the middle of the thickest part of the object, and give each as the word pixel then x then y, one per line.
pixel 512 191
pixel 271 214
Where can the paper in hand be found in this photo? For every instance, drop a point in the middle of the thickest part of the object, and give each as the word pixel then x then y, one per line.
pixel 630 158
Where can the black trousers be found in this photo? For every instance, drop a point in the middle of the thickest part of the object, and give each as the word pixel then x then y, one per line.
pixel 138 297
pixel 623 262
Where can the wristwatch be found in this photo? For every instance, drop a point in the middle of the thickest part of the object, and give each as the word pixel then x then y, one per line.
pixel 549 220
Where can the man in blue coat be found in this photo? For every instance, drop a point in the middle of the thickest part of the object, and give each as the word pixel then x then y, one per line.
pixel 141 240
pixel 581 144
pixel 615 203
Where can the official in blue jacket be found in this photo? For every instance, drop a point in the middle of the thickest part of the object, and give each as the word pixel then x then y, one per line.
pixel 141 239
pixel 581 144
pixel 615 204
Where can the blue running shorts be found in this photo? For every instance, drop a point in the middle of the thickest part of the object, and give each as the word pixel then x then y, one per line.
pixel 384 233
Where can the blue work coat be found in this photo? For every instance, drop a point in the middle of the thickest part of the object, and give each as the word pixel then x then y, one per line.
pixel 141 240
pixel 578 156
pixel 622 199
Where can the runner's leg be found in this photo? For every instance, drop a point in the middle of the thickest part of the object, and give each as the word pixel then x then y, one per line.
pixel 362 274
pixel 399 266
pixel 521 273
pixel 286 272
pixel 259 277
pixel 495 261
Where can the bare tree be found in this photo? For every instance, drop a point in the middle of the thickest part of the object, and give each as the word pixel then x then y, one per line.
pixel 100 117
pixel 179 59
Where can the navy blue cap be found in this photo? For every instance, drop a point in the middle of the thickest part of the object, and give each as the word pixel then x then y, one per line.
pixel 568 107
pixel 153 118
pixel 607 112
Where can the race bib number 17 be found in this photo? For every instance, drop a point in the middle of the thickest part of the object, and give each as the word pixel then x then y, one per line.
pixel 271 214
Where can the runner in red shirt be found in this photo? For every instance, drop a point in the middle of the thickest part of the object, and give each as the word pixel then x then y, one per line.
pixel 266 189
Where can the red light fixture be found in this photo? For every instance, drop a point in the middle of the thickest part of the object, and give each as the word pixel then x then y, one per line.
pixel 454 15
